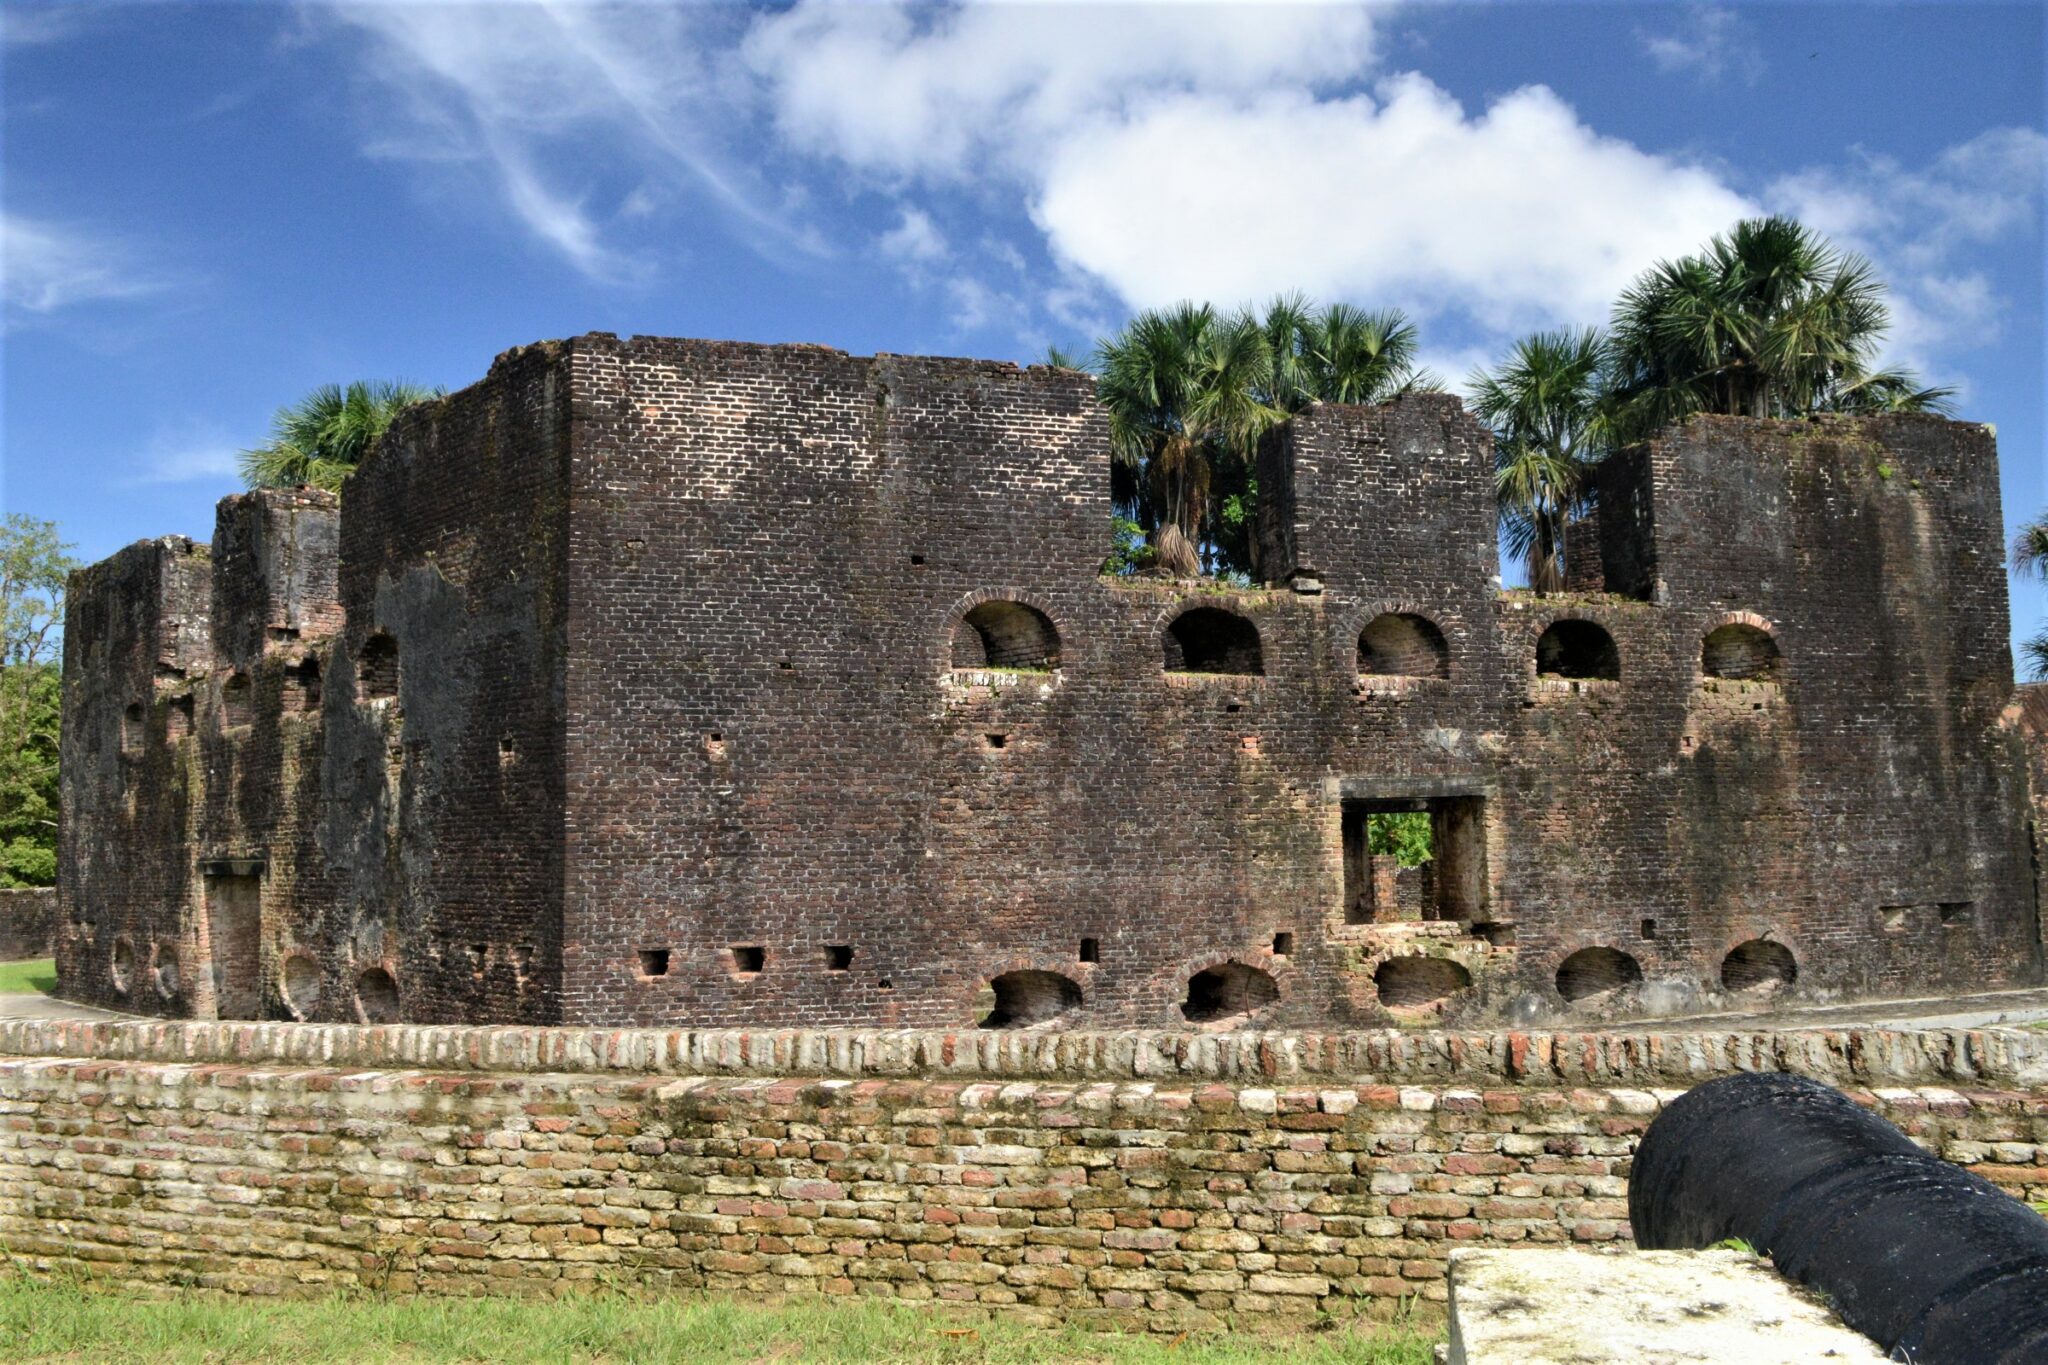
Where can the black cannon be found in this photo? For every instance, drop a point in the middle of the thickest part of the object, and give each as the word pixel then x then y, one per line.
pixel 1935 1264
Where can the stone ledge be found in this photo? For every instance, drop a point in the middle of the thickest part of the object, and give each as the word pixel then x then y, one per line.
pixel 1868 1057
pixel 1559 1306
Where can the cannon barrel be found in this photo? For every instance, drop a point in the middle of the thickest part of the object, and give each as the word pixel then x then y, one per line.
pixel 1937 1265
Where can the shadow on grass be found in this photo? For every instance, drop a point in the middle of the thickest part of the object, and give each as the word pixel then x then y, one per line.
pixel 28 978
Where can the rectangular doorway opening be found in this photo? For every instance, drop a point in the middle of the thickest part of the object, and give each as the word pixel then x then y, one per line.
pixel 234 928
pixel 1414 858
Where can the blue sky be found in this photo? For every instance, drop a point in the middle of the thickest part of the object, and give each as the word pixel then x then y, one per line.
pixel 211 208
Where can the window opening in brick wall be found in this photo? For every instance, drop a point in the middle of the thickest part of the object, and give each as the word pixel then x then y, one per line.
pixel 1577 649
pixel 1592 974
pixel 1227 992
pixel 1006 635
pixel 178 718
pixel 1741 651
pixel 1649 928
pixel 1406 982
pixel 302 686
pixel 997 740
pixel 377 997
pixel 1091 950
pixel 1283 944
pixel 377 668
pixel 1758 967
pixel 1421 858
pixel 1401 644
pixel 168 982
pixel 121 966
pixel 654 962
pixel 1957 914
pixel 1892 918
pixel 299 982
pixel 1025 998
pixel 134 727
pixel 234 930
pixel 235 705
pixel 749 958
pixel 1211 640
pixel 839 957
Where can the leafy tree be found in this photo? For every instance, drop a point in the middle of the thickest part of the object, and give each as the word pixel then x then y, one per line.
pixel 320 439
pixel 2030 556
pixel 1407 835
pixel 1545 405
pixel 33 567
pixel 1190 391
pixel 1769 320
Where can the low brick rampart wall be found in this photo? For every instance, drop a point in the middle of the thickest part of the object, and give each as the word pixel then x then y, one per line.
pixel 1171 1200
pixel 28 923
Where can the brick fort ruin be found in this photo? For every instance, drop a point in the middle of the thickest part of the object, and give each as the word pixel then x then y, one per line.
pixel 654 681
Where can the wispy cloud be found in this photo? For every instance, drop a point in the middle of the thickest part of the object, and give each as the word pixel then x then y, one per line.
pixel 188 452
pixel 522 92
pixel 27 24
pixel 46 266
pixel 1711 43
pixel 1925 228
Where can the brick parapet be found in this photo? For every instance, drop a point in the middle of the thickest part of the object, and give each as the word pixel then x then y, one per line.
pixel 1863 1056
pixel 1164 1204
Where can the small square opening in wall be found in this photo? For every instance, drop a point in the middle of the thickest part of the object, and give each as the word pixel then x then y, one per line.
pixel 883 983
pixel 1956 914
pixel 654 962
pixel 749 957
pixel 1091 950
pixel 998 741
pixel 1649 928
pixel 1892 918
pixel 917 559
pixel 714 745
pixel 838 957
pixel 1283 943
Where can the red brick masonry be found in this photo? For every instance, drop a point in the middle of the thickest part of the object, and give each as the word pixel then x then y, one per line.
pixel 1166 1179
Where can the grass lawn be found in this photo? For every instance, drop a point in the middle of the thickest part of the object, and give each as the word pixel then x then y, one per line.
pixel 28 978
pixel 70 1320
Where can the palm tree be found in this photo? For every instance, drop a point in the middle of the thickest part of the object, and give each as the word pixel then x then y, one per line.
pixel 1768 321
pixel 1545 405
pixel 2030 556
pixel 1183 389
pixel 1348 355
pixel 320 439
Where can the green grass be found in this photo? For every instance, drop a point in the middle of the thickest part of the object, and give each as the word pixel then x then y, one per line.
pixel 28 978
pixel 73 1320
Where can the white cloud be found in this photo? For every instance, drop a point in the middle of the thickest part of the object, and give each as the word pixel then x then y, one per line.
pixel 915 239
pixel 1924 227
pixel 46 266
pixel 938 93
pixel 1405 200
pixel 1710 42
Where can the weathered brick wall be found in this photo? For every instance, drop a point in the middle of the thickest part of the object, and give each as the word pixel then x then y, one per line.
pixel 689 725
pixel 1865 806
pixel 271 833
pixel 137 660
pixel 28 923
pixel 2031 704
pixel 1170 1201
